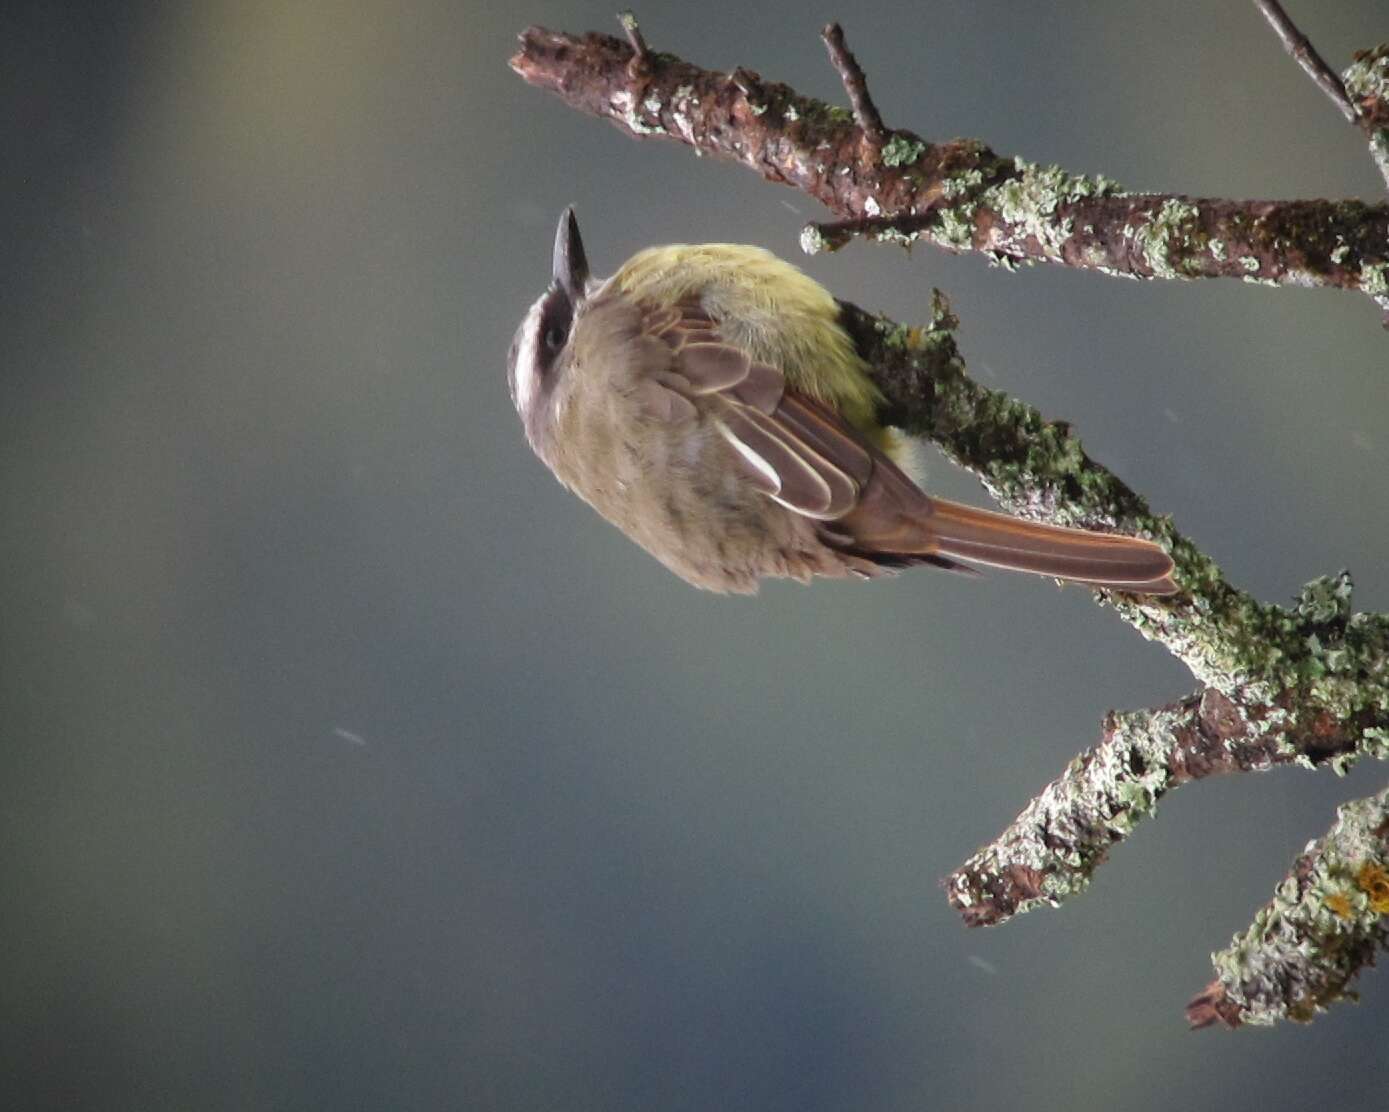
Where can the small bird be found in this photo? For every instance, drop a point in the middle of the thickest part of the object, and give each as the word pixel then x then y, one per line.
pixel 706 400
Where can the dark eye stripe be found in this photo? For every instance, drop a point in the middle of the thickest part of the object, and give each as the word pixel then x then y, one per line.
pixel 558 311
pixel 555 319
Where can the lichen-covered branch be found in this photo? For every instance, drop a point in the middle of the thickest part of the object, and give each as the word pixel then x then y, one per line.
pixel 1325 923
pixel 960 195
pixel 1367 84
pixel 1039 469
pixel 1051 850
pixel 1307 684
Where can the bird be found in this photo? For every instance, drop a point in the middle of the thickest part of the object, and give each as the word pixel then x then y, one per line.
pixel 707 401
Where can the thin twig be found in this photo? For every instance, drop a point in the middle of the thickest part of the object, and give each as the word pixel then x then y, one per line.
pixel 1312 63
pixel 855 84
pixel 1298 45
pixel 818 238
pixel 641 56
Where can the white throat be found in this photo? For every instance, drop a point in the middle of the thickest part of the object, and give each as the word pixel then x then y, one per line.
pixel 527 373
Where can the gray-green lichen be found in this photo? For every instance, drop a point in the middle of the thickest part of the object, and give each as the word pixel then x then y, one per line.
pixel 897 236
pixel 1253 652
pixel 1379 150
pixel 625 103
pixel 962 184
pixel 1368 75
pixel 1374 742
pixel 901 151
pixel 1029 201
pixel 1326 599
pixel 954 228
pixel 1165 236
pixel 1325 922
pixel 954 224
pixel 1374 279
pixel 813 241
pixel 1345 666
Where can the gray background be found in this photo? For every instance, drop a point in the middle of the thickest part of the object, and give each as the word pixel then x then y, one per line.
pixel 350 763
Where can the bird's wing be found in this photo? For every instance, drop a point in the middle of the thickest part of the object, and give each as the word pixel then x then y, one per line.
pixel 797 452
pixel 803 454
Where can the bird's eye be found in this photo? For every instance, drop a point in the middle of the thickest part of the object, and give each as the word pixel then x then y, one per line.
pixel 554 338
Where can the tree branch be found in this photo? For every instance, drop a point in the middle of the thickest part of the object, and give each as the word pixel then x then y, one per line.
pixel 1367 84
pixel 1306 685
pixel 960 195
pixel 1297 44
pixel 1052 849
pixel 1300 47
pixel 856 85
pixel 641 56
pixel 1325 923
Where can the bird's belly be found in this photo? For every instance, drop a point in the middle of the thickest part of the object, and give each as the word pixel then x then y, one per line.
pixel 711 527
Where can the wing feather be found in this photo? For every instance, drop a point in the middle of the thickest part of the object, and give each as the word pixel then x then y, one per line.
pixel 712 367
pixel 824 431
pixel 807 482
pixel 763 388
pixel 795 451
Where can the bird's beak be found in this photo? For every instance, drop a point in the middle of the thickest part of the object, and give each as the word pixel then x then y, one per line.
pixel 569 270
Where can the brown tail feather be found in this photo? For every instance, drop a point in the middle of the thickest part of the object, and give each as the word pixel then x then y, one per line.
pixel 1102 559
pixel 894 523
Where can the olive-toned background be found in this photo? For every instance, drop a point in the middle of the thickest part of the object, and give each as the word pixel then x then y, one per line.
pixel 350 763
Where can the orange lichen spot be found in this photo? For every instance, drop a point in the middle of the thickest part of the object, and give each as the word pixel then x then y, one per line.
pixel 1339 903
pixel 1373 880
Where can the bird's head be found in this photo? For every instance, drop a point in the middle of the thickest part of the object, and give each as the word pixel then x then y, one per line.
pixel 543 347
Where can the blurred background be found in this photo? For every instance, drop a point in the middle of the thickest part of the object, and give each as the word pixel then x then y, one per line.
pixel 351 763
